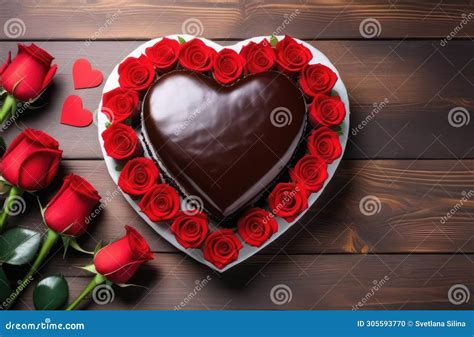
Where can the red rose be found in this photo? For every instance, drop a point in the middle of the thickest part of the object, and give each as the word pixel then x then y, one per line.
pixel 136 73
pixel 324 142
pixel 292 56
pixel 119 260
pixel 288 200
pixel 30 72
pixel 256 226
pixel 31 161
pixel 138 176
pixel 164 54
pixel 160 203
pixel 327 110
pixel 195 55
pixel 120 104
pixel 121 142
pixel 222 247
pixel 311 172
pixel 228 66
pixel 69 210
pixel 317 79
pixel 190 230
pixel 258 57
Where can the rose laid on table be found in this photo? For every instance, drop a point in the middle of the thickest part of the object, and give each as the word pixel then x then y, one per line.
pixel 117 262
pixel 26 77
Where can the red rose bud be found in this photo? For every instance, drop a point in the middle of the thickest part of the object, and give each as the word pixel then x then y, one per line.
pixel 311 172
pixel 190 230
pixel 121 142
pixel 136 73
pixel 31 161
pixel 228 66
pixel 288 200
pixel 195 55
pixel 30 72
pixel 327 110
pixel 292 56
pixel 256 226
pixel 160 203
pixel 120 104
pixel 258 57
pixel 69 210
pixel 317 79
pixel 164 54
pixel 222 247
pixel 138 176
pixel 119 260
pixel 324 142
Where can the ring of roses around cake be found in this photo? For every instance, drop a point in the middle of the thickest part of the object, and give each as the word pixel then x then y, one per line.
pixel 244 245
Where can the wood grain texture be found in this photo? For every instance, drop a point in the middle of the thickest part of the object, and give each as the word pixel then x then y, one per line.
pixel 316 282
pixel 400 92
pixel 108 19
pixel 413 196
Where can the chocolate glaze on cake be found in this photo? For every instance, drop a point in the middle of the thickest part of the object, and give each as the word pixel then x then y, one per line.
pixel 223 144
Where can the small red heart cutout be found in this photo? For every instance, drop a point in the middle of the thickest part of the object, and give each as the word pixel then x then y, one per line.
pixel 84 76
pixel 74 114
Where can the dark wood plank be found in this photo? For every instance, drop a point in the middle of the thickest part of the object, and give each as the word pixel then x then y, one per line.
pixel 107 19
pixel 316 282
pixel 413 196
pixel 420 80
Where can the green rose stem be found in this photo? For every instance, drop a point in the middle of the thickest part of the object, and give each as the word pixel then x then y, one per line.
pixel 14 192
pixel 51 238
pixel 98 279
pixel 8 107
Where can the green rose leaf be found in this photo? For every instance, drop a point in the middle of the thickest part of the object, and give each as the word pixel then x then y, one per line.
pixel 181 40
pixel 19 246
pixel 273 41
pixel 5 289
pixel 51 293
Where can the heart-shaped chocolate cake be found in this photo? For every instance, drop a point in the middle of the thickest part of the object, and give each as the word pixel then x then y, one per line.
pixel 223 143
pixel 222 149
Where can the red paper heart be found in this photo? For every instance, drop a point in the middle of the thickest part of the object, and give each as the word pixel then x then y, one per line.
pixel 84 76
pixel 74 114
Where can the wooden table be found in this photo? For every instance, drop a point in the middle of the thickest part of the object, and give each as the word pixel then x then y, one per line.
pixel 408 155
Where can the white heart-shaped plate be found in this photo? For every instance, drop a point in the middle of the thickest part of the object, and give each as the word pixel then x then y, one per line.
pixel 163 228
